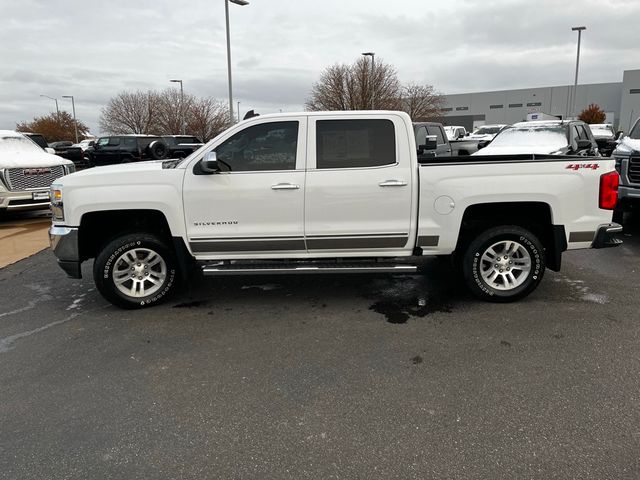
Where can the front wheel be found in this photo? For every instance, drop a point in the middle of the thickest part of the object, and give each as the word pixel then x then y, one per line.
pixel 135 270
pixel 504 264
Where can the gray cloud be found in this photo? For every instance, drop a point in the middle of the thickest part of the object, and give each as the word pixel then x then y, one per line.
pixel 93 50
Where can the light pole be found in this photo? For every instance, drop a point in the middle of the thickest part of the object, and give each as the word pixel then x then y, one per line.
pixel 73 106
pixel 238 112
pixel 55 100
pixel 373 86
pixel 575 83
pixel 181 104
pixel 242 3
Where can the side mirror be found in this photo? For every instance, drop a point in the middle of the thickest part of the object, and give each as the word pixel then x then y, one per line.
pixel 430 143
pixel 483 143
pixel 619 135
pixel 209 164
pixel 584 144
pixel 50 150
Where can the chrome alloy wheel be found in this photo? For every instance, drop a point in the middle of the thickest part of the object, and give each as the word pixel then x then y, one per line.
pixel 505 265
pixel 139 272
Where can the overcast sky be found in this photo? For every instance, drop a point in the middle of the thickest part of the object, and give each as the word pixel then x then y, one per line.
pixel 94 49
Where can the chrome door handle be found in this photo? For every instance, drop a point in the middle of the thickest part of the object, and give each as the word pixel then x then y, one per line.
pixel 285 186
pixel 393 183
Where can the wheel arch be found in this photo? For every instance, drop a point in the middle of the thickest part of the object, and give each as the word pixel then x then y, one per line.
pixel 536 217
pixel 98 228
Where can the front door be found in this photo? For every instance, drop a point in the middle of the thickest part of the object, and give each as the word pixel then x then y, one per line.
pixel 255 207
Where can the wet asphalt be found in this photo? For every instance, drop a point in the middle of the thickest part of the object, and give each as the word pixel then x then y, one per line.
pixel 324 377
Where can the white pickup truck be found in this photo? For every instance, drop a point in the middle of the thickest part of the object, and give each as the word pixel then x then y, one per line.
pixel 337 192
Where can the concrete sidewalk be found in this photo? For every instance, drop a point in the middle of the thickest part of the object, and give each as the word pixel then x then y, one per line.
pixel 21 238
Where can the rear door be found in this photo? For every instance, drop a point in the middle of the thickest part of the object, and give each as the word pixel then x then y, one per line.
pixel 359 187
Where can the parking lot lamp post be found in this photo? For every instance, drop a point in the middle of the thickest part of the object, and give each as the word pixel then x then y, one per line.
pixel 238 112
pixel 575 83
pixel 242 3
pixel 55 100
pixel 73 107
pixel 181 105
pixel 373 86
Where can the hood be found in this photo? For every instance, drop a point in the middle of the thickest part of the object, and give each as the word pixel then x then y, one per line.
pixel 36 158
pixel 486 136
pixel 123 174
pixel 123 168
pixel 516 150
pixel 627 146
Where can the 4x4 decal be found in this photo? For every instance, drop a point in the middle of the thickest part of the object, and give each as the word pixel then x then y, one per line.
pixel 577 166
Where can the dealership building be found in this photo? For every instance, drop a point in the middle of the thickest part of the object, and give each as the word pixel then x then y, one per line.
pixel 620 101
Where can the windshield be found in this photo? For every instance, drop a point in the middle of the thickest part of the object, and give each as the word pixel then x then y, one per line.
pixel 17 144
pixel 601 129
pixel 553 136
pixel 487 131
pixel 635 131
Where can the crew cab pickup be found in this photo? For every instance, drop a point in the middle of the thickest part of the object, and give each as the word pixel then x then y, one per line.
pixel 338 192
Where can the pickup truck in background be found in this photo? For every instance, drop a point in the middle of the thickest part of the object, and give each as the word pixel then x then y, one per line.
pixel 460 142
pixel 627 158
pixel 329 192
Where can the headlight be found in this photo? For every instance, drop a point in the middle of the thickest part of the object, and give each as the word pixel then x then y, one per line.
pixel 618 163
pixel 57 208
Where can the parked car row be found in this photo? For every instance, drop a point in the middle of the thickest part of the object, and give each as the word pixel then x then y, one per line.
pixel 134 148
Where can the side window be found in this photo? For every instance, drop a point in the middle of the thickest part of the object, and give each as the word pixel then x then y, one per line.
pixel 437 131
pixel 355 143
pixel 114 141
pixel 268 146
pixel 129 141
pixel 421 134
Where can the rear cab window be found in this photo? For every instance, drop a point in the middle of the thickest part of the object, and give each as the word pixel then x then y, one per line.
pixel 355 143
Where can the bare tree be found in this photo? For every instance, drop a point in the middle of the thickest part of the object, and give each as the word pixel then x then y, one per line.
pixel 207 117
pixel 422 102
pixel 350 87
pixel 130 112
pixel 172 111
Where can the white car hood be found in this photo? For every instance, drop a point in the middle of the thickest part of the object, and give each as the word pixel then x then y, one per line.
pixel 31 159
pixel 111 174
pixel 487 136
pixel 515 150
pixel 627 146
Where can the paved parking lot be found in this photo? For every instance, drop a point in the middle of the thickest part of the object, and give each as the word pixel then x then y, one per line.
pixel 324 377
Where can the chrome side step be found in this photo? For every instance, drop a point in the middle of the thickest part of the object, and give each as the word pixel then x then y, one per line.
pixel 211 270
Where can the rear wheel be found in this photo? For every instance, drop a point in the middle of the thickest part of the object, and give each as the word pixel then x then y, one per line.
pixel 135 270
pixel 504 264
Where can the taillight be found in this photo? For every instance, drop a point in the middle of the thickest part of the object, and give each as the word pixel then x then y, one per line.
pixel 609 190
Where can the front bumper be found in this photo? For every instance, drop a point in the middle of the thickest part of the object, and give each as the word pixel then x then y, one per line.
pixel 628 195
pixel 605 236
pixel 23 200
pixel 65 246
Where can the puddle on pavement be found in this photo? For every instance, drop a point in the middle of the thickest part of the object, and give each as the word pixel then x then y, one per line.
pixel 400 299
pixel 399 311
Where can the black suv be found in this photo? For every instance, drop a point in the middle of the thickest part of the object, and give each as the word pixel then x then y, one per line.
pixel 128 148
pixel 181 146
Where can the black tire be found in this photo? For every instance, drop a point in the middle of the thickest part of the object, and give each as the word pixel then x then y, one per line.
pixel 158 150
pixel 112 259
pixel 475 265
pixel 618 216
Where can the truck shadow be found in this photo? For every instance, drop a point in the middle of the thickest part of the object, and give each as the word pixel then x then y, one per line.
pixel 397 297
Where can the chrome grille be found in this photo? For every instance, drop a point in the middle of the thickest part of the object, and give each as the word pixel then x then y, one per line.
pixel 32 178
pixel 634 170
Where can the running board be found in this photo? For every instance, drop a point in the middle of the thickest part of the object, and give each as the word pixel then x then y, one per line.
pixel 275 270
